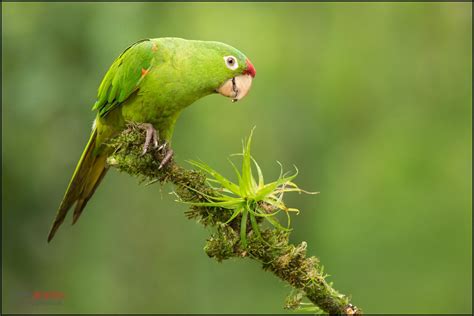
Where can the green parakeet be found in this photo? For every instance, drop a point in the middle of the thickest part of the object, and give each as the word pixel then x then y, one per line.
pixel 150 83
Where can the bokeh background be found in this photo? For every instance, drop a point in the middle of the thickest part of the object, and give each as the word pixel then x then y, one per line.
pixel 372 102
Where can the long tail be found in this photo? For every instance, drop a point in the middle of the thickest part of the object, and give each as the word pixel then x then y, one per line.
pixel 90 170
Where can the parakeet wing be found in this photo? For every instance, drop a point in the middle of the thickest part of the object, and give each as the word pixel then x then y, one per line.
pixel 124 76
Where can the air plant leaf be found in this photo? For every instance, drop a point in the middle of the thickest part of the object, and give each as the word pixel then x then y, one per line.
pixel 243 228
pixel 224 204
pixel 253 222
pixel 260 174
pixel 267 189
pixel 247 180
pixel 247 198
pixel 217 176
pixel 277 225
pixel 237 211
pixel 239 177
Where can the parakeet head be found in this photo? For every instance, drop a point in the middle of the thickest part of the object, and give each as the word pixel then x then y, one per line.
pixel 221 69
pixel 237 73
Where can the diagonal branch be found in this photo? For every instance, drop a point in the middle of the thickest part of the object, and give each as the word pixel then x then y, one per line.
pixel 271 247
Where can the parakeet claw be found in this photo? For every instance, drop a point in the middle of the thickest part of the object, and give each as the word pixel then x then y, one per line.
pixel 151 136
pixel 168 154
pixel 163 146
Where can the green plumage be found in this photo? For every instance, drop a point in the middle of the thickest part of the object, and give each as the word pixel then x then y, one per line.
pixel 152 81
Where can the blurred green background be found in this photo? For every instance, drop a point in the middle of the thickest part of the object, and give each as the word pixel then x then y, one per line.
pixel 372 102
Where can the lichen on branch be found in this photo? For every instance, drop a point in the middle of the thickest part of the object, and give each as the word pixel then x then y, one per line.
pixel 268 245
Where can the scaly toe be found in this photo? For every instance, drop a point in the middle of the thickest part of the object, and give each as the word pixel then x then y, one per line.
pixel 151 135
pixel 166 158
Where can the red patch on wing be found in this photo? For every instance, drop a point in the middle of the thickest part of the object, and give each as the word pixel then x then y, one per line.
pixel 250 70
pixel 144 72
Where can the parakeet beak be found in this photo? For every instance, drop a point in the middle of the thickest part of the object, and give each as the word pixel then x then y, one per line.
pixel 250 70
pixel 237 87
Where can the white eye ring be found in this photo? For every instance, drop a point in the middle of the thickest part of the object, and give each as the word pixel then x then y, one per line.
pixel 231 62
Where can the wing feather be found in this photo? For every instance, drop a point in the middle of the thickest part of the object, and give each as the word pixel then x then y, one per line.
pixel 124 76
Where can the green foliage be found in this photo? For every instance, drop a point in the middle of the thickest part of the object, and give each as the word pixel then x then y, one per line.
pixel 250 199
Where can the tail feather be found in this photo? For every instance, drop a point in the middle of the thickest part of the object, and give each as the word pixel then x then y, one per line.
pixel 88 191
pixel 89 172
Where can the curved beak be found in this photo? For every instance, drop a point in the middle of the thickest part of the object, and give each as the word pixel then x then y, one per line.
pixel 237 87
pixel 250 70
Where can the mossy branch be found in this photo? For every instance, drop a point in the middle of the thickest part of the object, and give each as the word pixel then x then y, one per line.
pixel 271 247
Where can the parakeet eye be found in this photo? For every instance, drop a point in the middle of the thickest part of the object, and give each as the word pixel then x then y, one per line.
pixel 231 62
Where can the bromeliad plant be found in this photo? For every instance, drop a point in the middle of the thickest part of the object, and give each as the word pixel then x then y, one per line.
pixel 250 198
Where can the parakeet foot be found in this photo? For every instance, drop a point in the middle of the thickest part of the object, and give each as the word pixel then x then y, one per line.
pixel 167 154
pixel 151 136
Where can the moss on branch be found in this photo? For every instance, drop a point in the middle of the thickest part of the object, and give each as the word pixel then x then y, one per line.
pixel 271 247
